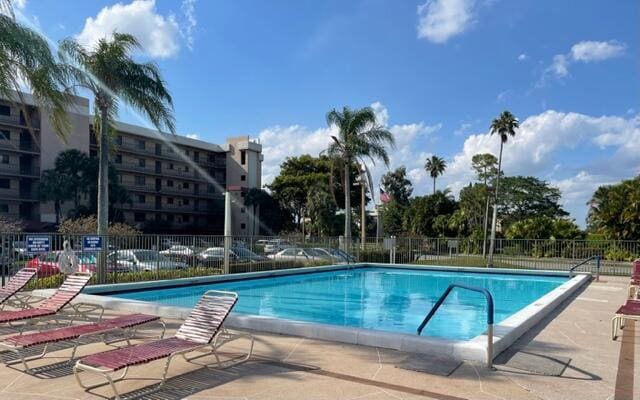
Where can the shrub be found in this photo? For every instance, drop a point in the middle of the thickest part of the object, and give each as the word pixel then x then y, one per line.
pixel 89 225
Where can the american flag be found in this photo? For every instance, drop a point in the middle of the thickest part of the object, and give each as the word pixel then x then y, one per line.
pixel 384 197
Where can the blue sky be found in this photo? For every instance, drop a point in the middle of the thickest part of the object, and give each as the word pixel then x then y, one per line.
pixel 436 72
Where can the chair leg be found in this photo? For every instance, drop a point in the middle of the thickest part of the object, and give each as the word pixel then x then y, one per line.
pixel 105 375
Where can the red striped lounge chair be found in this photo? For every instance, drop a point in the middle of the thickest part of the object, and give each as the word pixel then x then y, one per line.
pixel 125 324
pixel 51 306
pixel 629 311
pixel 202 330
pixel 16 284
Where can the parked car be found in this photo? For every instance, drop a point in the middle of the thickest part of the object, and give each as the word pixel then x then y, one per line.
pixel 275 245
pixel 336 254
pixel 236 254
pixel 47 263
pixel 298 253
pixel 180 253
pixel 143 260
pixel 20 249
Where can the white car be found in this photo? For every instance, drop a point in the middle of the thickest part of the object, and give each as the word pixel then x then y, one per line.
pixel 298 253
pixel 143 260
pixel 336 255
pixel 178 250
pixel 275 245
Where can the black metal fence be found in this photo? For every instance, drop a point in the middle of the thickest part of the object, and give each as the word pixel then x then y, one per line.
pixel 153 257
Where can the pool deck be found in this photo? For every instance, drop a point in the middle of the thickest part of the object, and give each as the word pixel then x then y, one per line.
pixel 287 367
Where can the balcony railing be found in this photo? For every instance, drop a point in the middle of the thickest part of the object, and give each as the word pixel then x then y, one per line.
pixel 19 121
pixel 15 169
pixel 17 145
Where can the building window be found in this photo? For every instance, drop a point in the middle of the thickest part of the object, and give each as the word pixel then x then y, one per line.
pixel 119 140
pixel 185 202
pixel 242 194
pixel 243 226
pixel 5 135
pixel 4 158
pixel 169 200
pixel 141 145
pixel 142 162
pixel 242 210
pixel 186 218
pixel 243 157
pixel 169 183
pixel 170 217
pixel 118 158
pixel 4 208
pixel 138 217
pixel 139 180
pixel 185 185
pixel 243 178
pixel 186 168
pixel 5 110
pixel 170 165
pixel 141 198
pixel 196 156
pixel 5 184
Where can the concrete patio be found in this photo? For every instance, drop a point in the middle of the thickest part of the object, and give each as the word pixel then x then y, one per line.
pixel 296 368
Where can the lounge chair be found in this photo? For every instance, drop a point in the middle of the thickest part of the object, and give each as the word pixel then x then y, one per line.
pixel 126 324
pixel 629 311
pixel 635 274
pixel 203 329
pixel 51 306
pixel 15 284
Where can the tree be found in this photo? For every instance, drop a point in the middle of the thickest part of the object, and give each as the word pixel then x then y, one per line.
pixel 544 227
pixel 392 218
pixel 74 166
pixel 397 185
pixel 614 210
pixel 321 210
pixel 359 137
pixel 435 166
pixel 525 197
pixel 468 218
pixel 504 126
pixel 110 73
pixel 420 217
pixel 89 224
pixel 25 55
pixel 55 187
pixel 485 166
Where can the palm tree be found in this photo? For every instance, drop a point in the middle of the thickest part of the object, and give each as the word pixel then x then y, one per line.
pixel 435 166
pixel 54 186
pixel 25 56
pixel 505 125
pixel 111 74
pixel 359 137
pixel 74 165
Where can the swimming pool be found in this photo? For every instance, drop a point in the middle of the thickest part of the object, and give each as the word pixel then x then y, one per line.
pixel 384 299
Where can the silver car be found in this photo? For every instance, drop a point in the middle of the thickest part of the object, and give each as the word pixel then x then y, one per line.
pixel 298 253
pixel 275 245
pixel 143 260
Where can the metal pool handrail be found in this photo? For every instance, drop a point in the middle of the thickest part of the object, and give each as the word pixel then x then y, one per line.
pixel 489 299
pixel 583 262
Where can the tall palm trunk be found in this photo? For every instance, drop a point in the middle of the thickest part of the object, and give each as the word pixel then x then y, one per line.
pixel 56 206
pixel 486 217
pixel 347 206
pixel 103 191
pixel 434 185
pixel 495 211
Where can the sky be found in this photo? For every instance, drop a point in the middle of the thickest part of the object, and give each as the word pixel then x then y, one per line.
pixel 436 72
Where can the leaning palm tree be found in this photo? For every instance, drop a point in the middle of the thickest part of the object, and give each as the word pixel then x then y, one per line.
pixel 110 73
pixel 359 136
pixel 25 59
pixel 435 166
pixel 505 125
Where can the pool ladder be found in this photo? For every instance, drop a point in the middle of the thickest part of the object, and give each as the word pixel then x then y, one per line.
pixel 489 299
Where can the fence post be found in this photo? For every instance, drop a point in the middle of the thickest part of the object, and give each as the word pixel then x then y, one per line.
pixel 597 268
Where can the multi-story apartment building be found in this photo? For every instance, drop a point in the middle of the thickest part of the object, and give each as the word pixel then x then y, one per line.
pixel 173 181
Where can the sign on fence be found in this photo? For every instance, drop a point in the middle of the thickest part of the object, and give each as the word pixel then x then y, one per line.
pixel 91 243
pixel 38 244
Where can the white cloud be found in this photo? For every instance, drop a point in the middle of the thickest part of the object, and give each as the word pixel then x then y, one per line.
pixel 157 34
pixel 19 4
pixel 440 20
pixel 502 96
pixel 523 57
pixel 589 51
pixel 189 11
pixel 585 51
pixel 281 142
pixel 193 136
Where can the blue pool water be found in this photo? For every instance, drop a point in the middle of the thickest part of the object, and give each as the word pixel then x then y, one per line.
pixel 387 299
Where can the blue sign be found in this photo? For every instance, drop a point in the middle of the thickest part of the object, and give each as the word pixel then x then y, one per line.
pixel 91 243
pixel 38 244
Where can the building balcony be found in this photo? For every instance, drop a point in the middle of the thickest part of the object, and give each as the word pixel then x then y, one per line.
pixel 17 170
pixel 17 145
pixel 19 121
